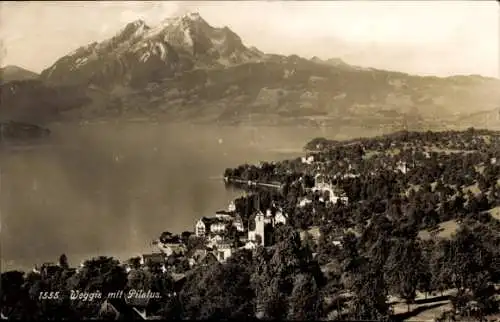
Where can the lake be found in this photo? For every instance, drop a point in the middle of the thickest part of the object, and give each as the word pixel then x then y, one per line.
pixel 110 189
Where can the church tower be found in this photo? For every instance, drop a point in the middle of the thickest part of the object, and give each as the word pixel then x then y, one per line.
pixel 260 227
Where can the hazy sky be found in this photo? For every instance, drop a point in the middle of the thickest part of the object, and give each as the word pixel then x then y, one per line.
pixel 422 37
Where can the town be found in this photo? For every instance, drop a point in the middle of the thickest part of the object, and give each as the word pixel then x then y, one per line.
pixel 413 215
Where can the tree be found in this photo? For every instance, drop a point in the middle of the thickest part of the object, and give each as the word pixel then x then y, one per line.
pixel 102 274
pixel 403 267
pixel 14 298
pixel 223 291
pixel 185 235
pixel 63 261
pixel 370 301
pixel 304 302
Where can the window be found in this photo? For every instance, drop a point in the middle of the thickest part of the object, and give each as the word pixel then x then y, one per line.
pixel 221 255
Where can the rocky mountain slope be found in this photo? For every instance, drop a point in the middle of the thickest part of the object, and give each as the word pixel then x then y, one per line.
pixel 15 73
pixel 185 69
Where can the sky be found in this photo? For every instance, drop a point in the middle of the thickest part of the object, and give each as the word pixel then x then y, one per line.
pixel 419 37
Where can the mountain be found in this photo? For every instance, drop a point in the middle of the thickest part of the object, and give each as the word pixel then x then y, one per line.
pixel 12 73
pixel 185 69
pixel 139 54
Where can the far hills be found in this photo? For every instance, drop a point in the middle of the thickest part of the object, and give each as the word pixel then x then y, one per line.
pixel 184 69
pixel 15 73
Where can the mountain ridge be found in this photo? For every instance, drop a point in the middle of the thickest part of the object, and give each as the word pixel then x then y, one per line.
pixel 185 69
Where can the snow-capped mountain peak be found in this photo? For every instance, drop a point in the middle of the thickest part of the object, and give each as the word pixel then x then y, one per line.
pixel 140 53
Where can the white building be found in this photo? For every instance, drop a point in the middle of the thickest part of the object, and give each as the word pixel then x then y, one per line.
pixel 280 218
pixel 223 251
pixel 330 190
pixel 250 245
pixel 304 201
pixel 231 207
pixel 257 234
pixel 214 240
pixel 202 227
pixel 308 159
pixel 218 227
pixel 402 167
pixel 214 225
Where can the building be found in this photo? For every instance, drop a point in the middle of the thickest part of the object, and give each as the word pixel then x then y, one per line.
pixel 402 167
pixel 308 159
pixel 153 259
pixel 210 224
pixel 231 207
pixel 238 223
pixel 333 194
pixel 280 218
pixel 250 244
pixel 219 223
pixel 304 202
pixel 214 239
pixel 218 226
pixel 257 235
pixel 223 250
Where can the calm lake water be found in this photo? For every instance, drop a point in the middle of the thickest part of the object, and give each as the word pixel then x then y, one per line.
pixel 109 189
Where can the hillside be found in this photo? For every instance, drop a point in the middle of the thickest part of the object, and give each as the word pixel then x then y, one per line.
pixel 34 101
pixel 15 130
pixel 15 73
pixel 186 69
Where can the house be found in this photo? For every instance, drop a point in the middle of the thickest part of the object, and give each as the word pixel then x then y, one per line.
pixel 250 244
pixel 203 226
pixel 280 218
pixel 223 250
pixel 49 269
pixel 153 259
pixel 118 309
pixel 218 226
pixel 214 239
pixel 402 167
pixel 344 199
pixel 333 194
pixel 308 159
pixel 238 223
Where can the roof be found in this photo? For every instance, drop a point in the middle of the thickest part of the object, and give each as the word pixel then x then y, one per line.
pixel 126 312
pixel 224 212
pixel 208 221
pixel 208 258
